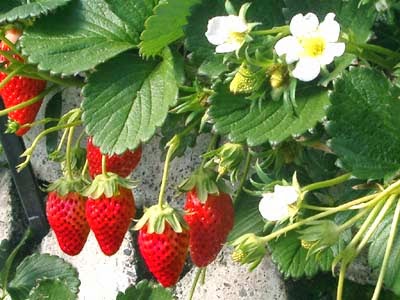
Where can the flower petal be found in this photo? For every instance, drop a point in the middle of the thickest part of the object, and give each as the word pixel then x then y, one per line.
pixel 307 69
pixel 287 194
pixel 272 209
pixel 290 46
pixel 331 51
pixel 303 25
pixel 227 47
pixel 236 24
pixel 329 28
pixel 217 31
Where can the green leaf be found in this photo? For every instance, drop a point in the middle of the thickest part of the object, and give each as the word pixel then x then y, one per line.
pixel 41 266
pixel 244 120
pixel 53 110
pixel 365 125
pixel 160 31
pixel 145 290
pixel 247 217
pixel 377 250
pixel 4 252
pixel 52 289
pixel 83 34
pixel 291 257
pixel 267 12
pixel 29 10
pixel 124 110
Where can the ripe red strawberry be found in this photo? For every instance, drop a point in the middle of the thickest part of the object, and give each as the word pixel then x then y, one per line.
pixel 123 164
pixel 210 223
pixel 164 253
pixel 20 89
pixel 66 216
pixel 110 217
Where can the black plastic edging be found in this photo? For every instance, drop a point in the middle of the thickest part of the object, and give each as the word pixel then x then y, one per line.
pixel 25 181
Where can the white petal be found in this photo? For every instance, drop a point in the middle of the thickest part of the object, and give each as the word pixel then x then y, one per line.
pixel 303 25
pixel 235 24
pixel 306 69
pixel 329 28
pixel 286 194
pixel 290 46
pixel 217 31
pixel 331 51
pixel 272 209
pixel 227 47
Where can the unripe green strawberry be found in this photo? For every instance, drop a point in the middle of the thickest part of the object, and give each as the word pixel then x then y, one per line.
pixel 110 217
pixel 123 164
pixel 210 223
pixel 66 216
pixel 164 253
pixel 20 89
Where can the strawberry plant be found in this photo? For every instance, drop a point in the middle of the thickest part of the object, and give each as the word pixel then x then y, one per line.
pixel 299 99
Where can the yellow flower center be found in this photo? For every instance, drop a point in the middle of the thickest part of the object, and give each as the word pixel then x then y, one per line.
pixel 237 37
pixel 313 46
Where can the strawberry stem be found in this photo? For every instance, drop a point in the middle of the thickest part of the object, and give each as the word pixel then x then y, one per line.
pixel 10 57
pixel 104 165
pixel 211 146
pixel 28 102
pixel 68 153
pixel 10 44
pixel 195 281
pixel 10 76
pixel 244 176
pixel 326 183
pixel 40 122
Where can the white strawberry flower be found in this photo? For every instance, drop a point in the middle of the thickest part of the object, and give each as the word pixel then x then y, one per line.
pixel 312 44
pixel 276 206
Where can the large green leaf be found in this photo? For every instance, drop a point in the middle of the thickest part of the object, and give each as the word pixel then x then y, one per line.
pixel 365 124
pixel 145 290
pixel 83 34
pixel 52 289
pixel 41 266
pixel 124 110
pixel 244 121
pixel 160 31
pixel 377 250
pixel 29 10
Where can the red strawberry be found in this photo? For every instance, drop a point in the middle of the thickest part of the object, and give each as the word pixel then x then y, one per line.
pixel 164 253
pixel 123 164
pixel 20 89
pixel 209 223
pixel 110 217
pixel 66 216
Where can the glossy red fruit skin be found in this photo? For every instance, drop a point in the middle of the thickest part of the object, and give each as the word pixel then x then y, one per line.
pixel 123 164
pixel 210 224
pixel 164 254
pixel 66 216
pixel 109 218
pixel 20 89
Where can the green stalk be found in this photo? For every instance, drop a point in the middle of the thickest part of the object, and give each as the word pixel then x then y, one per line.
pixel 104 165
pixel 10 44
pixel 244 176
pixel 326 183
pixel 211 146
pixel 342 274
pixel 10 76
pixel 194 284
pixel 280 29
pixel 28 102
pixel 316 208
pixel 388 251
pixel 10 57
pixel 68 153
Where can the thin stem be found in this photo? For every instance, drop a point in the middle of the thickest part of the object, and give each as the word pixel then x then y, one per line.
pixel 28 102
pixel 63 137
pixel 69 82
pixel 342 275
pixel 171 149
pixel 85 166
pixel 211 146
pixel 104 165
pixel 327 183
pixel 203 276
pixel 10 57
pixel 10 44
pixel 280 29
pixel 10 76
pixel 79 139
pixel 317 208
pixel 68 152
pixel 354 219
pixel 194 284
pixel 388 250
pixel 379 49
pixel 40 122
pixel 189 89
pixel 244 176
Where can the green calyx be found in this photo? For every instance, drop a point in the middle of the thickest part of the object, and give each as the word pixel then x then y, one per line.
pixel 205 182
pixel 156 216
pixel 108 185
pixel 63 186
pixel 249 249
pixel 12 126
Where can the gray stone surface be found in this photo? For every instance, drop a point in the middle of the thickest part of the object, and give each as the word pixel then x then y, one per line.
pixel 228 280
pixel 5 204
pixel 101 276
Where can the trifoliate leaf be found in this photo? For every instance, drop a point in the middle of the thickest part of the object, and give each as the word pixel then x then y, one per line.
pixel 12 11
pixel 123 109
pixel 145 290
pixel 52 289
pixel 83 34
pixel 160 31
pixel 365 124
pixel 41 266
pixel 243 120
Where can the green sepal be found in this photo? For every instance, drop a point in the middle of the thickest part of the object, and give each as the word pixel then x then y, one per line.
pixel 205 181
pixel 249 249
pixel 63 186
pixel 12 126
pixel 156 216
pixel 108 185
